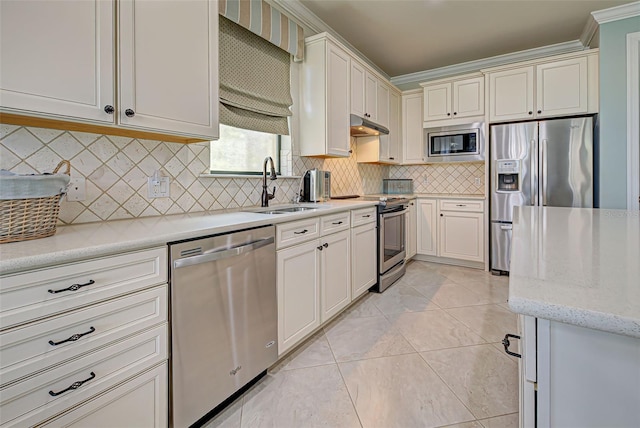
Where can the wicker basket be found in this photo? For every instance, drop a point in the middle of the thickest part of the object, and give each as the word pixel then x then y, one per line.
pixel 32 218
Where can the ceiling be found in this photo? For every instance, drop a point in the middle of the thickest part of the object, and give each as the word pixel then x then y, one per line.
pixel 409 36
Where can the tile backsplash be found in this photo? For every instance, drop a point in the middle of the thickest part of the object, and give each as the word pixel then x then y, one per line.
pixel 116 171
pixel 446 178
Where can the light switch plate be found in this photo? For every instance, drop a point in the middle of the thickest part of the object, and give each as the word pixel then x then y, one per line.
pixel 77 189
pixel 159 188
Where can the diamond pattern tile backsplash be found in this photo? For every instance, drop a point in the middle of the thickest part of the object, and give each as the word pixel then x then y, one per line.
pixel 450 178
pixel 116 171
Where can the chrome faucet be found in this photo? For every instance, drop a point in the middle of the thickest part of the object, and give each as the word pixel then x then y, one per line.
pixel 266 196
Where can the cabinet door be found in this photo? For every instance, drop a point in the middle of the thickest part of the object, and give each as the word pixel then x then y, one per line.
pixel 462 235
pixel 364 243
pixel 298 279
pixel 335 274
pixel 371 97
pixel 511 94
pixel 411 235
pixel 468 97
pixel 437 102
pixel 412 130
pixel 427 232
pixel 357 89
pixel 395 129
pixel 338 69
pixel 139 402
pixel 58 58
pixel 382 101
pixel 168 66
pixel 562 88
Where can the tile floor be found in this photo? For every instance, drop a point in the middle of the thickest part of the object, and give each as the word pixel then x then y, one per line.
pixel 425 353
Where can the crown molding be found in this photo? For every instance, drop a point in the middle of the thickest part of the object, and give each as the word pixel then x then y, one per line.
pixel 308 19
pixel 413 79
pixel 589 31
pixel 617 13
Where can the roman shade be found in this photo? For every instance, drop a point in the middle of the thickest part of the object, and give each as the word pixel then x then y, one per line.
pixel 255 90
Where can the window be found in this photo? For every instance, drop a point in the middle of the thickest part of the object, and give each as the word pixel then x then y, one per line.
pixel 241 151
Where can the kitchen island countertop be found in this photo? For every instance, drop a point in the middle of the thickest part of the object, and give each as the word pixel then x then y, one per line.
pixel 83 241
pixel 577 266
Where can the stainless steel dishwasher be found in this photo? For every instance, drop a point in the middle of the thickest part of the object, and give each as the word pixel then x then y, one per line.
pixel 223 318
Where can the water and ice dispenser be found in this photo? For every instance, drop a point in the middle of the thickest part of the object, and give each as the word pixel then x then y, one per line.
pixel 508 175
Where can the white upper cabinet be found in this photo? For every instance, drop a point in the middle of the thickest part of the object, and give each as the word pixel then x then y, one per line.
pixel 357 89
pixel 460 97
pixel 412 131
pixel 558 86
pixel 325 99
pixel 437 102
pixel 371 97
pixel 562 87
pixel 57 59
pixel 168 66
pixel 395 129
pixel 382 98
pixel 511 94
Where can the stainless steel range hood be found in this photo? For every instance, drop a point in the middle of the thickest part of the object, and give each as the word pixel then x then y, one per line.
pixel 362 127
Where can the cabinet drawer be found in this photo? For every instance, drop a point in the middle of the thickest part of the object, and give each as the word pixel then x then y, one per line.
pixel 295 232
pixel 334 222
pixel 363 216
pixel 461 205
pixel 141 401
pixel 31 401
pixel 39 345
pixel 40 293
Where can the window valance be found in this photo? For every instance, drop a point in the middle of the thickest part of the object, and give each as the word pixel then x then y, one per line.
pixel 260 18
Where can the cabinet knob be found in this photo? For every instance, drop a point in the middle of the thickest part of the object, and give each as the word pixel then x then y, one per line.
pixel 319 247
pixel 109 109
pixel 539 111
pixel 325 245
pixel 391 158
pixel 448 114
pixel 350 151
pixel 530 112
pixel 129 113
pixel 441 215
pixel 455 113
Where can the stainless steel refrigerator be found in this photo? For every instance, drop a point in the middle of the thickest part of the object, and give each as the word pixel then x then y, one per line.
pixel 541 163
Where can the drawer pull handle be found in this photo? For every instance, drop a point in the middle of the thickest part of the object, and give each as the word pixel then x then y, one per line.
pixel 73 338
pixel 301 232
pixel 337 222
pixel 506 344
pixel 74 385
pixel 460 205
pixel 366 216
pixel 74 287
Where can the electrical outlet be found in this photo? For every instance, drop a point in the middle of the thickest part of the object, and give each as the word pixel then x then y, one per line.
pixel 425 179
pixel 77 189
pixel 158 187
pixel 477 181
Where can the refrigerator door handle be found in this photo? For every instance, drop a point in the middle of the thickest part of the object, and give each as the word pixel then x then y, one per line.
pixel 534 172
pixel 543 161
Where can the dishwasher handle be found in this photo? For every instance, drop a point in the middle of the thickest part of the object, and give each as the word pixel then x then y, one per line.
pixel 222 254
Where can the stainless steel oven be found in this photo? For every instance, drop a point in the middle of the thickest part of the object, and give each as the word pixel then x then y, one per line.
pixel 391 239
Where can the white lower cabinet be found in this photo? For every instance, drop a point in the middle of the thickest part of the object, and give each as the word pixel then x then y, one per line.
pixel 335 274
pixel 102 323
pixel 364 241
pixel 462 235
pixel 573 376
pixel 139 402
pixel 298 279
pixel 451 229
pixel 427 227
pixel 411 234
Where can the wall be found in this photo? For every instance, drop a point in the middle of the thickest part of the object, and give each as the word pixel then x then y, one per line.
pixel 116 171
pixel 447 178
pixel 613 111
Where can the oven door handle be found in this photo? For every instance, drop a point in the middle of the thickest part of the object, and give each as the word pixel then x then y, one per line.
pixel 393 213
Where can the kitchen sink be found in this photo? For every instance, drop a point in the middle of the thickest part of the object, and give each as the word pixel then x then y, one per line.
pixel 269 212
pixel 295 209
pixel 283 210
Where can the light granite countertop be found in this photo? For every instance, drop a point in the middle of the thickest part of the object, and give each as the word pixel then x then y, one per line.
pixel 577 266
pixel 449 196
pixel 83 241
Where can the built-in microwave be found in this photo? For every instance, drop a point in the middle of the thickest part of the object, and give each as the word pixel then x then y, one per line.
pixel 463 143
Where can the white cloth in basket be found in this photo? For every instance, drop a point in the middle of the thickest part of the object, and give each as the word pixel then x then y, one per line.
pixel 27 186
